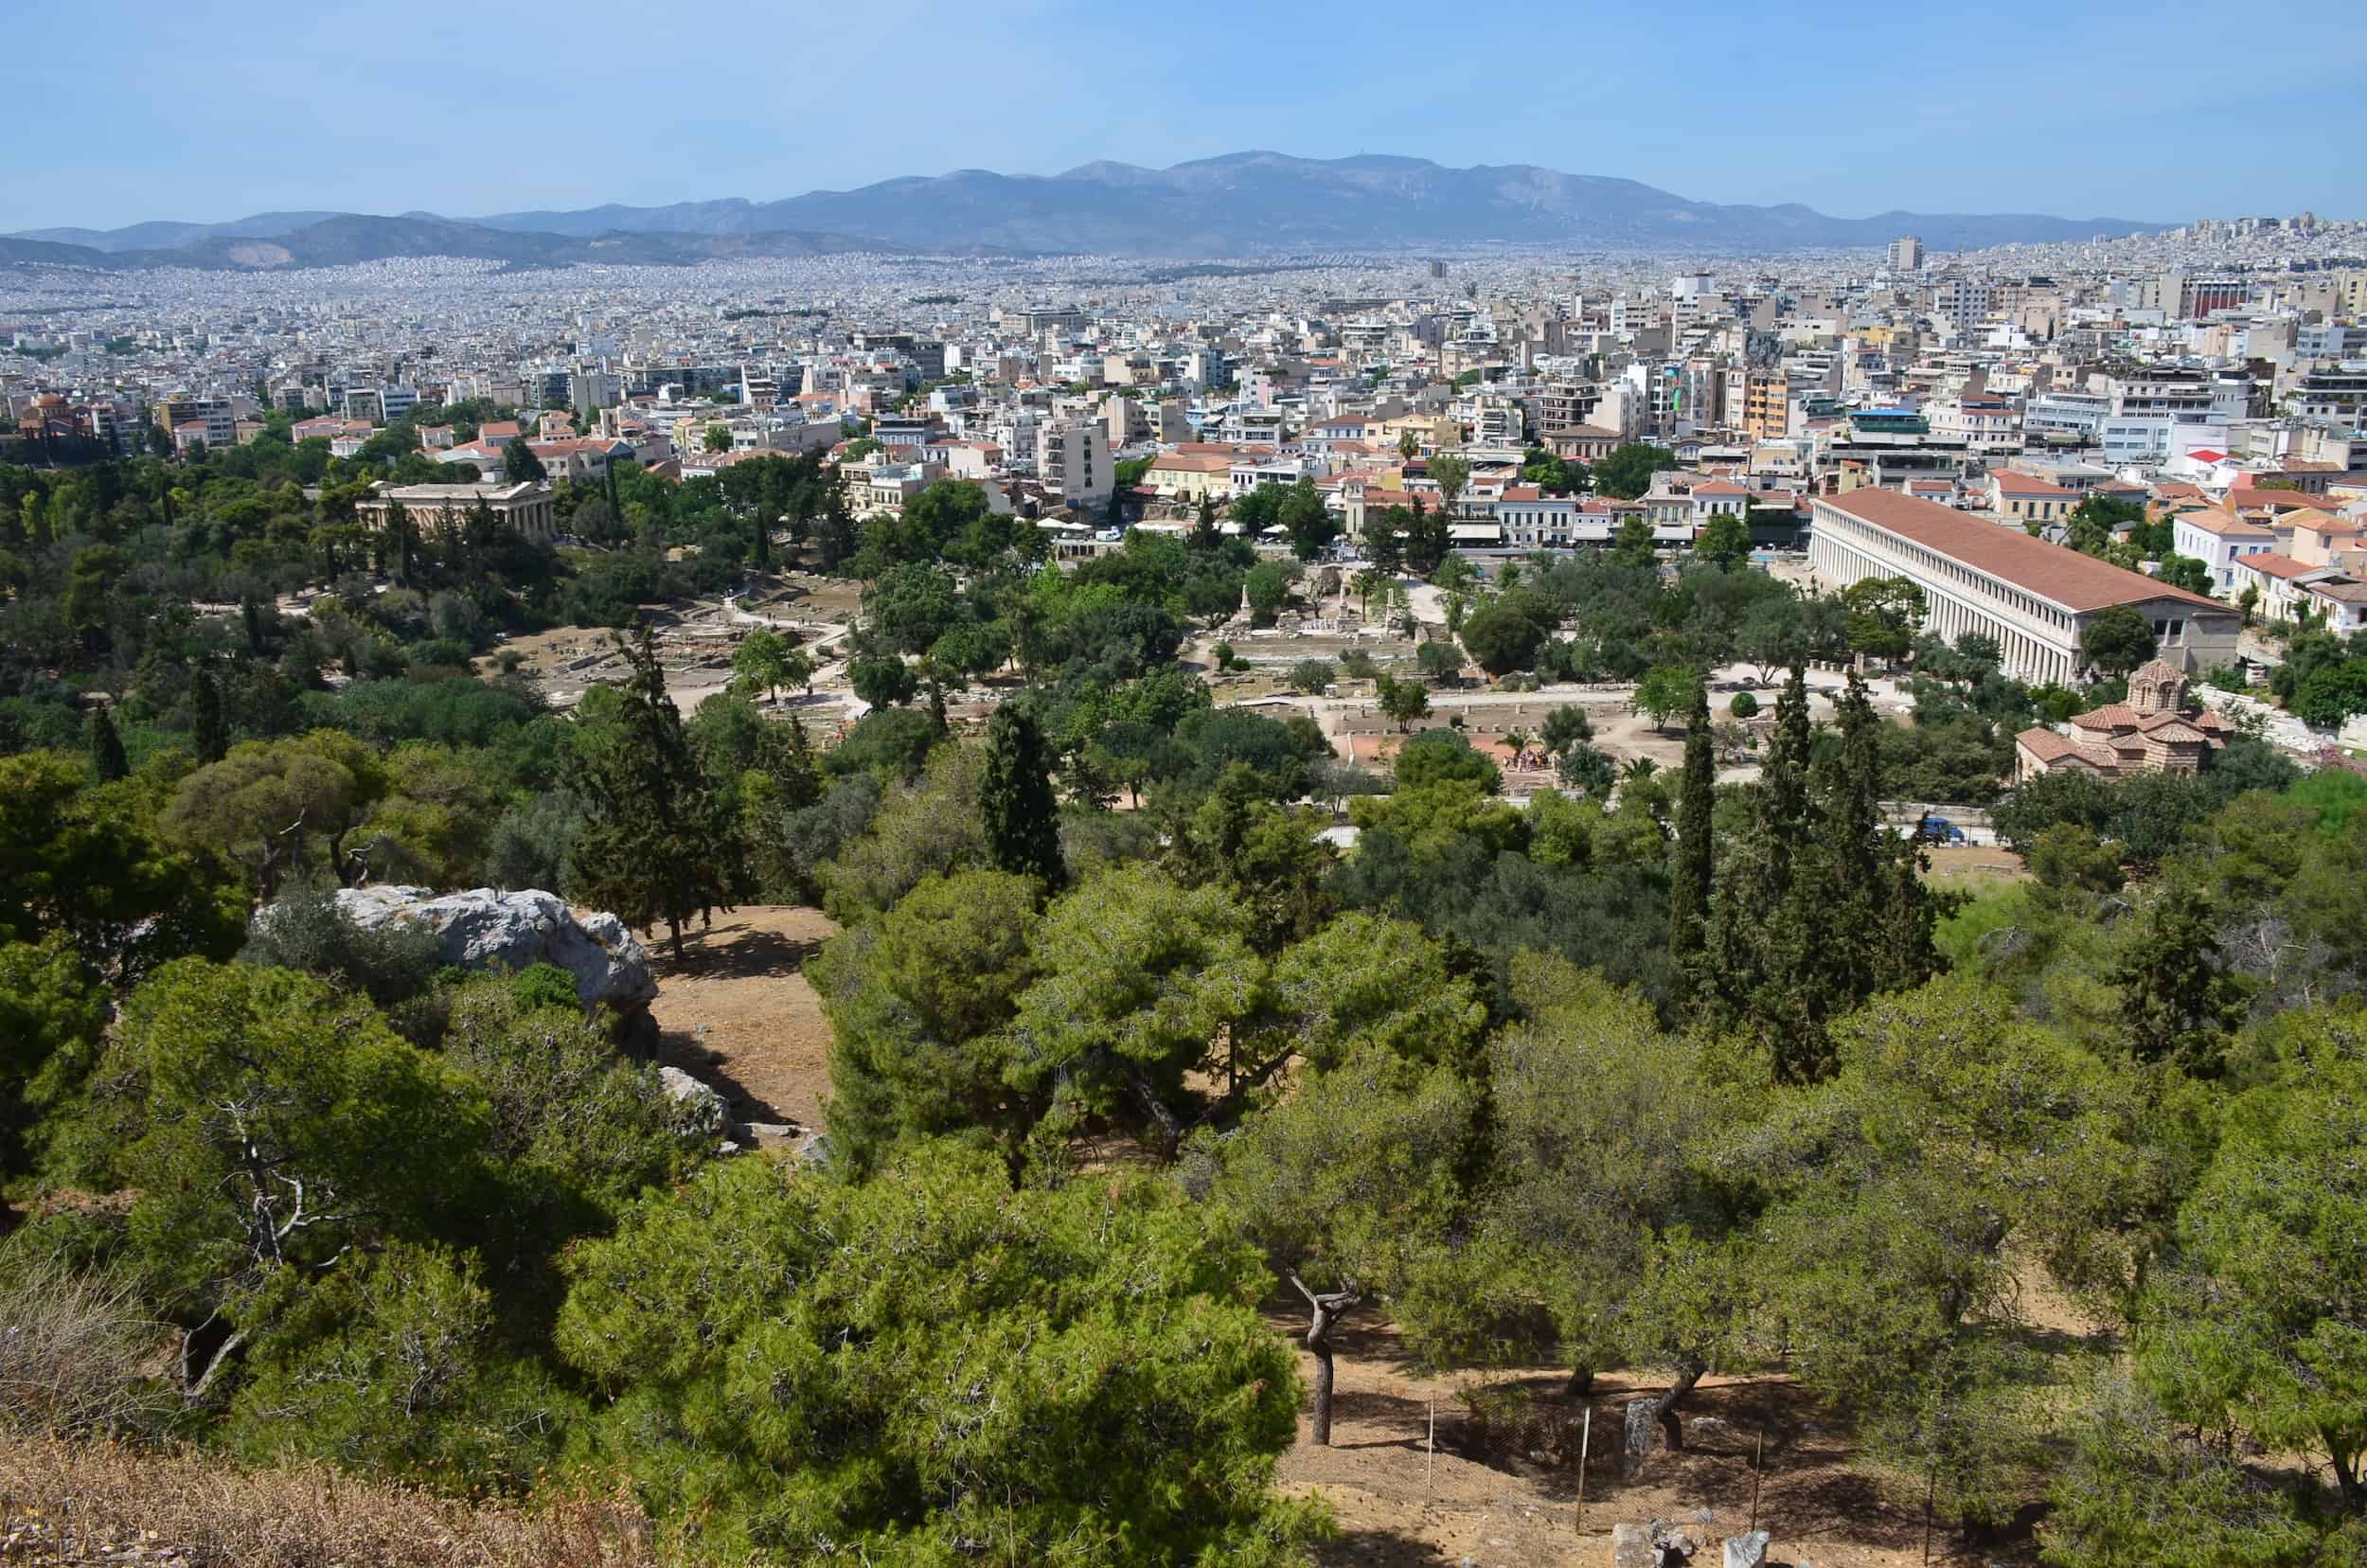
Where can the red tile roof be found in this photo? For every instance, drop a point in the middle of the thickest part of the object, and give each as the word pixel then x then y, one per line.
pixel 2023 484
pixel 2050 748
pixel 2283 568
pixel 2224 526
pixel 2064 577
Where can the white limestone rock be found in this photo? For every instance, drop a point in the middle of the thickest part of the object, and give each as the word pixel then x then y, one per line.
pixel 486 928
pixel 697 1109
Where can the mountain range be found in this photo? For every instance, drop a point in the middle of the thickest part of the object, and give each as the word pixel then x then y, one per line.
pixel 250 245
pixel 1238 205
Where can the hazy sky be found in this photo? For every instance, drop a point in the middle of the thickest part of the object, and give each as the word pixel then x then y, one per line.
pixel 125 110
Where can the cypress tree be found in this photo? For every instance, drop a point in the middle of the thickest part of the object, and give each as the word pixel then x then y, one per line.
pixel 397 553
pixel 1883 915
pixel 106 747
pixel 1787 772
pixel 1205 535
pixel 658 844
pixel 1857 851
pixel 1689 872
pixel 1765 929
pixel 205 728
pixel 1816 933
pixel 1015 799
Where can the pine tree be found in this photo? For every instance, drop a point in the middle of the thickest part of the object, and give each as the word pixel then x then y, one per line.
pixel 1015 799
pixel 1689 872
pixel 658 843
pixel 2178 1002
pixel 106 747
pixel 206 727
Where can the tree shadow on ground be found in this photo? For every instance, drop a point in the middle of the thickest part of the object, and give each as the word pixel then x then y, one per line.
pixel 1379 1548
pixel 734 950
pixel 682 1048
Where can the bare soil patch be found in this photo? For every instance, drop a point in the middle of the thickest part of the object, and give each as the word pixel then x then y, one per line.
pixel 1974 867
pixel 736 1012
pixel 1498 1494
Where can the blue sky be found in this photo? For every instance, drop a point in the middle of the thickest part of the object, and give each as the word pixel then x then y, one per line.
pixel 125 110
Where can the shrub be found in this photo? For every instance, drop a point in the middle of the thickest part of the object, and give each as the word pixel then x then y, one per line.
pixel 544 986
pixel 1312 675
pixel 74 1349
pixel 305 931
pixel 1744 706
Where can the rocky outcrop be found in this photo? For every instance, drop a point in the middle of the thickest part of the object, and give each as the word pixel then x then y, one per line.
pixel 485 929
pixel 697 1107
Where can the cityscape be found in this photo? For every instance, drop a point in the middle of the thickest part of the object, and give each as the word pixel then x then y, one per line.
pixel 1297 859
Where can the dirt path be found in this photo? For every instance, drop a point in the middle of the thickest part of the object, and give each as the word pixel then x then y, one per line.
pixel 737 1011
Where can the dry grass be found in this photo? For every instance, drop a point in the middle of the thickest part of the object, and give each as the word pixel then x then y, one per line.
pixel 62 1502
pixel 75 1351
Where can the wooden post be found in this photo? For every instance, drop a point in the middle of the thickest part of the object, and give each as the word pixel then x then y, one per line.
pixel 1931 1490
pixel 1758 1465
pixel 1586 1441
pixel 1429 1461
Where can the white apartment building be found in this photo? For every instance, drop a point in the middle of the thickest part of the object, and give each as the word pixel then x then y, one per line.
pixel 1073 461
pixel 2067 416
pixel 2158 438
pixel 2034 598
pixel 1983 427
pixel 760 388
pixel 2217 540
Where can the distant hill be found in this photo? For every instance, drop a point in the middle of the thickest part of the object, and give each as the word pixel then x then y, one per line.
pixel 1246 203
pixel 1238 205
pixel 345 237
pixel 164 235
